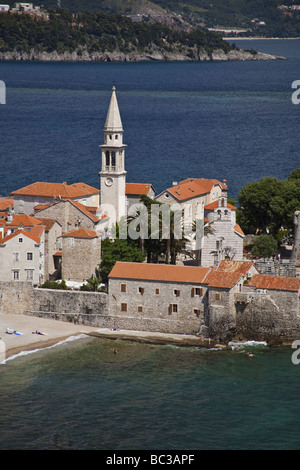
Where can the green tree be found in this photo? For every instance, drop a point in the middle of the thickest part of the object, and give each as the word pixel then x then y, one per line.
pixel 269 204
pixel 264 246
pixel 118 250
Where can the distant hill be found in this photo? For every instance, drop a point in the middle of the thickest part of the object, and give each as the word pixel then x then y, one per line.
pixel 252 17
pixel 62 35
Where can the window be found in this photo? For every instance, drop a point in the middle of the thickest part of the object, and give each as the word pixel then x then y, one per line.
pixel 156 291
pixel 29 256
pixel 123 287
pixel 173 308
pixel 15 256
pixel 140 308
pixel 218 296
pixel 107 158
pixel 113 159
pixel 177 292
pixel 141 290
pixel 197 311
pixel 123 307
pixel 29 274
pixel 197 291
pixel 70 241
pixel 20 240
pixel 16 275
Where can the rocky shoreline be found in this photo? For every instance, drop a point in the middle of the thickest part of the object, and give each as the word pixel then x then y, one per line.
pixel 159 55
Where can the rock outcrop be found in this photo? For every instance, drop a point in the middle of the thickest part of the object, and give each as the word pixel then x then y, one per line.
pixel 134 56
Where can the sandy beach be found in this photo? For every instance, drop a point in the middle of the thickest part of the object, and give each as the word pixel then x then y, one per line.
pixel 56 331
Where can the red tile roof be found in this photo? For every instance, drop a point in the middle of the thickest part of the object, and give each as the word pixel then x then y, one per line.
pixel 263 281
pixel 34 234
pixel 222 279
pixel 193 187
pixel 58 190
pixel 241 267
pixel 24 220
pixel 48 223
pixel 77 204
pixel 81 233
pixel 159 272
pixel 5 203
pixel 238 229
pixel 214 205
pixel 137 188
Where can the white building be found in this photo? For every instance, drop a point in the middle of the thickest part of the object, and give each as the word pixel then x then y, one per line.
pixel 22 255
pixel 4 8
pixel 113 174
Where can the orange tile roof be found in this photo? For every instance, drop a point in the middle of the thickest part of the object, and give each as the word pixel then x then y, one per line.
pixel 215 205
pixel 34 234
pixel 222 279
pixel 24 220
pixel 77 204
pixel 263 281
pixel 59 190
pixel 241 267
pixel 238 229
pixel 193 187
pixel 48 223
pixel 5 203
pixel 159 272
pixel 86 188
pixel 137 188
pixel 81 233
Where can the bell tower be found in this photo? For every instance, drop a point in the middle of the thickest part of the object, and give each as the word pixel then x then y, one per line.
pixel 113 174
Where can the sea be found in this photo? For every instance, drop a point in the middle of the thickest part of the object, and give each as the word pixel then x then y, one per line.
pixel 233 121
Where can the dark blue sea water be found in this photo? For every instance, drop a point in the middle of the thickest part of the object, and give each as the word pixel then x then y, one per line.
pixel 230 120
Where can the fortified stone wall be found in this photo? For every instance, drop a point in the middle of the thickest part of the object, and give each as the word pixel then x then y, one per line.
pixel 272 316
pixel 87 308
pixel 15 297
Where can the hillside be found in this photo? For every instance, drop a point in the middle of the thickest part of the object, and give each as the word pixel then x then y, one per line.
pixel 61 35
pixel 253 17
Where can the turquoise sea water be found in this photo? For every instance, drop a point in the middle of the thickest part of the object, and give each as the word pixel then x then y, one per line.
pixel 82 396
pixel 216 120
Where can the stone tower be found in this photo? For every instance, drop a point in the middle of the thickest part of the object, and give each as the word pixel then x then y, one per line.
pixel 113 174
pixel 296 249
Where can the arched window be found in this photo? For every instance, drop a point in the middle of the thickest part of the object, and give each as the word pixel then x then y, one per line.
pixel 107 158
pixel 113 159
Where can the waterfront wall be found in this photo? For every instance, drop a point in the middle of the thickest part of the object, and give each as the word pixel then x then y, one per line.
pixel 272 316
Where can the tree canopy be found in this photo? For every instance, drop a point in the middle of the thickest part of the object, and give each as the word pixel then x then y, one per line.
pixel 96 32
pixel 269 204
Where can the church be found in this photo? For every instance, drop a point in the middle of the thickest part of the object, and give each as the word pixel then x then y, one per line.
pixel 81 216
pixel 197 198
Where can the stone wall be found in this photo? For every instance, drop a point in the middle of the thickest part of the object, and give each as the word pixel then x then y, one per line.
pixel 157 306
pixel 87 308
pixel 16 297
pixel 272 316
